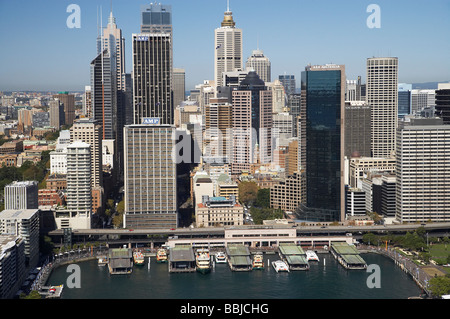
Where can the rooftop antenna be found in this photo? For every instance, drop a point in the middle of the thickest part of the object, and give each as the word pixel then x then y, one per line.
pixel 228 5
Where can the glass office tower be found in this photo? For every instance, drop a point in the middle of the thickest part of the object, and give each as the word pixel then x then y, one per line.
pixel 323 87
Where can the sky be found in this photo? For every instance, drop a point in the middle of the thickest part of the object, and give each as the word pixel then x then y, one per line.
pixel 40 52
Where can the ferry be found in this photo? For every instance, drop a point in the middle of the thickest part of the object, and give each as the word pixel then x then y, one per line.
pixel 138 258
pixel 221 258
pixel 161 256
pixel 203 261
pixel 311 256
pixel 102 261
pixel 280 265
pixel 258 261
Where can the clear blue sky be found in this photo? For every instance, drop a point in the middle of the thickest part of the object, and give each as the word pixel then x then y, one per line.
pixel 39 52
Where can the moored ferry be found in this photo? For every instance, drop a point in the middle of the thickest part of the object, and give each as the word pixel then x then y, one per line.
pixel 138 258
pixel 221 258
pixel 258 261
pixel 203 261
pixel 280 266
pixel 161 256
pixel 311 256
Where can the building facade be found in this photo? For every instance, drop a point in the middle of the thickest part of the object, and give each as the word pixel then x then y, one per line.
pixel 323 92
pixel 215 211
pixel 21 195
pixel 259 63
pixel 358 131
pixel 150 177
pixel 228 48
pixel 423 171
pixel 382 96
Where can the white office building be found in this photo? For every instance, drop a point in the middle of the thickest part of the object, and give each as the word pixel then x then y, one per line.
pixel 423 171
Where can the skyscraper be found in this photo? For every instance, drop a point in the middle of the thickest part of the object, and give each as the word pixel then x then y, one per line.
pixel 382 96
pixel 68 100
pixel 404 99
pixel 260 64
pixel 112 40
pixel 357 129
pixel 90 131
pixel 443 102
pixel 252 123
pixel 228 48
pixel 21 195
pixel 323 91
pixel 156 18
pixel 179 86
pixel 104 93
pixel 152 77
pixel 423 171
pixel 150 176
pixel 79 187
pixel 288 82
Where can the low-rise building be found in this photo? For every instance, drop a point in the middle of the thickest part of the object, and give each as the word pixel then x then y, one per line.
pixel 213 211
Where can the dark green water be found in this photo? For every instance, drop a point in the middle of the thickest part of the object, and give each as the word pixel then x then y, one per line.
pixel 329 281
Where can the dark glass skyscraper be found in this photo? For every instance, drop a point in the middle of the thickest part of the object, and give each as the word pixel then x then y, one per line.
pixel 323 88
pixel 404 99
pixel 153 65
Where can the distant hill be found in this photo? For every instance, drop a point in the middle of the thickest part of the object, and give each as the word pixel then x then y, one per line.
pixel 427 85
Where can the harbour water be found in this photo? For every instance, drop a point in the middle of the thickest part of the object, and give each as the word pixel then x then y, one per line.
pixel 324 280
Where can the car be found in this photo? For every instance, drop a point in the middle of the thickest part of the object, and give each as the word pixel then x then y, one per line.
pixel 131 229
pixel 172 229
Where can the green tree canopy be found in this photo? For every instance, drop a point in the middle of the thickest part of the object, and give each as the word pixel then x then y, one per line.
pixel 248 192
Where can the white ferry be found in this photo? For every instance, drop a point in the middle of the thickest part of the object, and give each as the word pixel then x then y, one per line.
pixel 221 258
pixel 202 260
pixel 280 265
pixel 311 256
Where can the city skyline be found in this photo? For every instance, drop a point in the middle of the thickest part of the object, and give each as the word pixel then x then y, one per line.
pixel 339 34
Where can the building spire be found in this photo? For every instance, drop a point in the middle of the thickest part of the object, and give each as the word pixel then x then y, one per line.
pixel 228 17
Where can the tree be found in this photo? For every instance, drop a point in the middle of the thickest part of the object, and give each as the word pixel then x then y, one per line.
pixel 370 238
pixel 439 286
pixel 263 198
pixel 248 192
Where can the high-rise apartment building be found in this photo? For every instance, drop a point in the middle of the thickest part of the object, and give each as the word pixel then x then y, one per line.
pixel 323 92
pixel 252 123
pixel 259 63
pixel 382 96
pixel 21 195
pixel 228 48
pixel 423 171
pixel 150 176
pixel 90 131
pixel 79 188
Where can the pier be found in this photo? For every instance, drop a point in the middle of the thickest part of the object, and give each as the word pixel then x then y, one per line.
pixel 120 261
pixel 348 256
pixel 294 256
pixel 181 259
pixel 239 257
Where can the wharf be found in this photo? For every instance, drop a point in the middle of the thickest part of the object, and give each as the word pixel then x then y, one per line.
pixel 348 256
pixel 294 256
pixel 120 261
pixel 181 259
pixel 238 257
